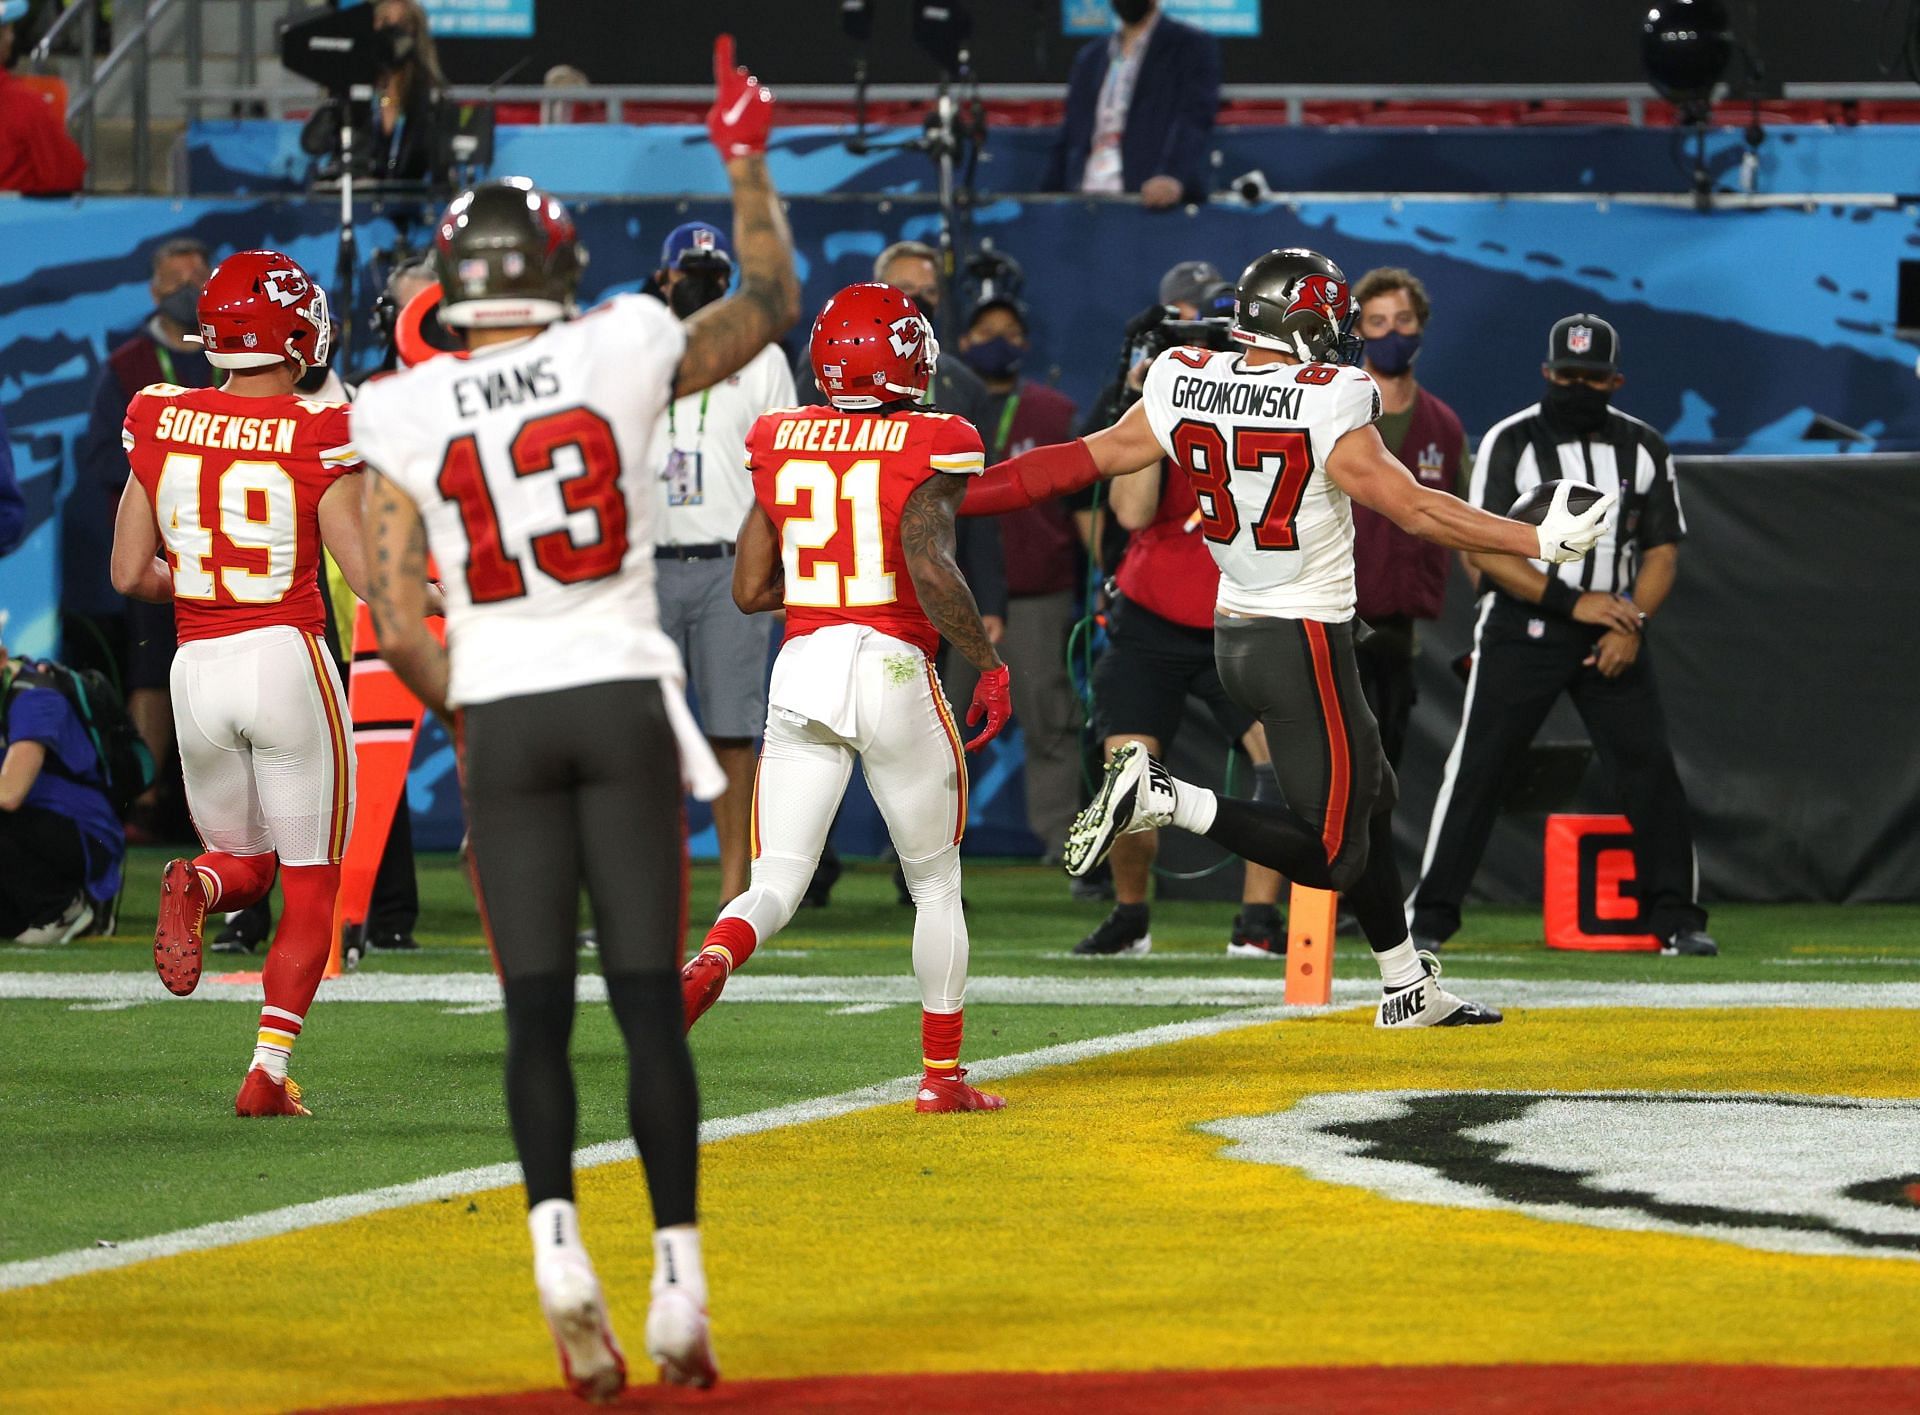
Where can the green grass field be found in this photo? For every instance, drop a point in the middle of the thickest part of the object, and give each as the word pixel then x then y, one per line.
pixel 115 1119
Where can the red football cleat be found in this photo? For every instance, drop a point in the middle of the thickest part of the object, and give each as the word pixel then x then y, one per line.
pixel 261 1095
pixel 941 1094
pixel 701 980
pixel 176 938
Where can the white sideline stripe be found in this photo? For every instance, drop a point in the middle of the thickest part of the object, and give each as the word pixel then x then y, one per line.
pixel 1110 987
pixel 77 1262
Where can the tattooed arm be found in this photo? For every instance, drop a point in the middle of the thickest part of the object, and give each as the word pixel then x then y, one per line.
pixel 926 537
pixel 724 335
pixel 397 592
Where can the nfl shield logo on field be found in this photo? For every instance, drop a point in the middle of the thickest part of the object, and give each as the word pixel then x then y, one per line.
pixel 1579 339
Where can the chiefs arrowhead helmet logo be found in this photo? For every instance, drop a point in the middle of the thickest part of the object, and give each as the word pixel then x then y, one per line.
pixel 1319 294
pixel 906 333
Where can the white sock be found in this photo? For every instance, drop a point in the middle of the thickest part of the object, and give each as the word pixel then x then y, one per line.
pixel 272 1060
pixel 676 1262
pixel 1399 965
pixel 555 1226
pixel 1194 807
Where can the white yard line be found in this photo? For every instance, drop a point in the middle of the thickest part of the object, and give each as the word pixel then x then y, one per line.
pixel 1108 987
pixel 1246 1002
pixel 34 1272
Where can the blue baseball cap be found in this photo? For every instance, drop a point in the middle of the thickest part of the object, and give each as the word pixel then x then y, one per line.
pixel 695 238
pixel 12 11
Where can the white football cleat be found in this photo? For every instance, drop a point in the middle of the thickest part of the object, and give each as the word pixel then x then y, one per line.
pixel 590 1357
pixel 679 1339
pixel 1427 1004
pixel 1137 794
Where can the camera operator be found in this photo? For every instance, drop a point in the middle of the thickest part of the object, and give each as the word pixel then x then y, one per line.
pixel 1160 635
pixel 396 134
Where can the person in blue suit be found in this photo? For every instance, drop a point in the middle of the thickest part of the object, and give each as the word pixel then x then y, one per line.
pixel 1140 108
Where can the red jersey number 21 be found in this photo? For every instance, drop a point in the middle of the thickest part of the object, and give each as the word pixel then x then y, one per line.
pixel 492 574
pixel 1282 453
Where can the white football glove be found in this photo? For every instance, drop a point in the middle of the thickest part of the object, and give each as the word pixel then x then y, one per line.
pixel 1566 535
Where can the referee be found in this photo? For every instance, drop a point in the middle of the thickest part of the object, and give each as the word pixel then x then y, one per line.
pixel 1576 628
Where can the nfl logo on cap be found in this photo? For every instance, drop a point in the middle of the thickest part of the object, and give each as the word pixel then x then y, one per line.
pixel 1580 339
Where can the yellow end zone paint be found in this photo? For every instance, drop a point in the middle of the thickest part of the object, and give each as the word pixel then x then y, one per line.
pixel 1088 1226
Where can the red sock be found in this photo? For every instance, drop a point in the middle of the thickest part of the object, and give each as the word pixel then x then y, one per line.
pixel 298 959
pixel 235 881
pixel 733 939
pixel 940 1041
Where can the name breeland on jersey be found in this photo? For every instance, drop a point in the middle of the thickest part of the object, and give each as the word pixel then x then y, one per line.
pixel 1240 398
pixel 840 435
pixel 488 389
pixel 225 430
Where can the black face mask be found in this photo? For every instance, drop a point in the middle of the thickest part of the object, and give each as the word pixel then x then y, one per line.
pixel 1578 407
pixel 695 289
pixel 1131 12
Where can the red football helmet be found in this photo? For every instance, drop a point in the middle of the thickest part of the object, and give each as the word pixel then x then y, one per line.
pixel 871 345
pixel 259 309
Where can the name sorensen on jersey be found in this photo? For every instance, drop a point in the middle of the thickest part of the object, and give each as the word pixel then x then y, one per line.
pixel 1239 399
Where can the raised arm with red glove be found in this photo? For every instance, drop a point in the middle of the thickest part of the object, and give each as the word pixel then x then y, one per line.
pixel 723 336
pixel 1064 467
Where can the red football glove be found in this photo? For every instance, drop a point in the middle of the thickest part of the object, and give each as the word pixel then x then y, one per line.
pixel 742 112
pixel 992 701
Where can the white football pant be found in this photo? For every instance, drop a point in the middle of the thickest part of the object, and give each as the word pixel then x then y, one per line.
pixel 265 745
pixel 895 718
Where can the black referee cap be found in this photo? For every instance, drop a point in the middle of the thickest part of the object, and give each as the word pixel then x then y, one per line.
pixel 1583 341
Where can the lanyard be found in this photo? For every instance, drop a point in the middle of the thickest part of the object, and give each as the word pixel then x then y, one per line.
pixel 165 355
pixel 1006 425
pixel 700 432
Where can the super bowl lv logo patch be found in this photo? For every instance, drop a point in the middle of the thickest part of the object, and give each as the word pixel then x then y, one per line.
pixel 1834 1175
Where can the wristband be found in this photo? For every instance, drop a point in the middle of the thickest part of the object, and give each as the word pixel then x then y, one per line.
pixel 1559 597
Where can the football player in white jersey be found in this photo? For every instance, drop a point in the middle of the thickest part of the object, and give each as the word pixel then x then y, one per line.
pixel 1276 439
pixel 521 464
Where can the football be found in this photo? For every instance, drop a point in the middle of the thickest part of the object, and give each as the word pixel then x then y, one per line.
pixel 1532 506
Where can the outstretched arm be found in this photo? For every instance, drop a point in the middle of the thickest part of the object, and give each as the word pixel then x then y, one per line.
pixel 397 592
pixel 1064 467
pixel 759 578
pixel 723 336
pixel 1361 466
pixel 136 568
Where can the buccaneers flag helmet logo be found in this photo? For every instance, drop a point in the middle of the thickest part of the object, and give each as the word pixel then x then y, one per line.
pixel 1319 294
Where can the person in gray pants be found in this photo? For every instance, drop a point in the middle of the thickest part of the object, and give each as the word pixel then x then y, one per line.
pixel 699 463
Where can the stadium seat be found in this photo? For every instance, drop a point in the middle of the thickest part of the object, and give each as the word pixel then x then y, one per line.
pixel 1564 113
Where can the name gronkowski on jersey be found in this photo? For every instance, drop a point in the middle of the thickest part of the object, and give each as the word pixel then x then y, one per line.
pixel 1254 441
pixel 529 463
pixel 235 485
pixel 834 483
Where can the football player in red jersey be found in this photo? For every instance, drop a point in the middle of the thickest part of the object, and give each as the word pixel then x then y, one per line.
pixel 234 491
pixel 852 534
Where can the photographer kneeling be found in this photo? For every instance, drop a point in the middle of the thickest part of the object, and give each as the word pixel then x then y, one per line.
pixel 61 842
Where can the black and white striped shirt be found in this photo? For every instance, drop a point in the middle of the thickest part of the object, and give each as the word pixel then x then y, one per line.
pixel 1625 457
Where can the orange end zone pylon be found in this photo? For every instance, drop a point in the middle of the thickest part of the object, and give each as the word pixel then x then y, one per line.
pixel 386 721
pixel 1311 915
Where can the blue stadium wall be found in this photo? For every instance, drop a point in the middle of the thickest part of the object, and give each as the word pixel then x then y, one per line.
pixel 1738 327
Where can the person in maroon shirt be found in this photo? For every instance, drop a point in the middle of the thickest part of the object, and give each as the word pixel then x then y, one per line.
pixel 36 155
pixel 1043 570
pixel 1160 651
pixel 1401 579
